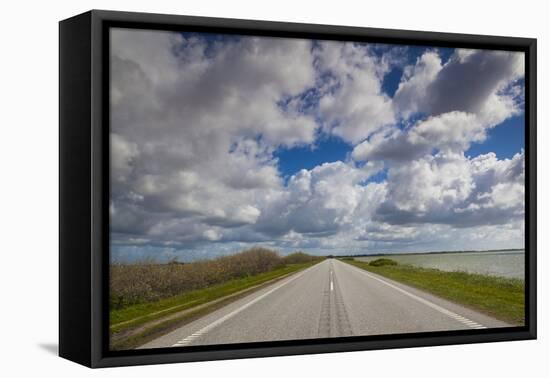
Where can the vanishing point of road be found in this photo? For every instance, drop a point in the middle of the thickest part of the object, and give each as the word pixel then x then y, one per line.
pixel 329 299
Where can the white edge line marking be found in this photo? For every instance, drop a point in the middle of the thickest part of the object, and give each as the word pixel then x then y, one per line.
pixel 460 318
pixel 216 323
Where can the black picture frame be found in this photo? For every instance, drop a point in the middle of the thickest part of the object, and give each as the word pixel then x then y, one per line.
pixel 84 188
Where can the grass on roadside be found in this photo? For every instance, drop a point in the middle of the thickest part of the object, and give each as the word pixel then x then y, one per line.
pixel 139 314
pixel 502 298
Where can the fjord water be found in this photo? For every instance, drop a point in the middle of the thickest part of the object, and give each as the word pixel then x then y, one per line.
pixel 508 263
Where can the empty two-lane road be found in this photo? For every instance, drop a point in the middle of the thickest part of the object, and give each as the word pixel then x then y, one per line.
pixel 330 299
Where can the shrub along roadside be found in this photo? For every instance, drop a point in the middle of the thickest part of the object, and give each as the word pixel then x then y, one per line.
pixel 382 262
pixel 135 325
pixel 148 299
pixel 502 298
pixel 142 312
pixel 145 282
pixel 299 258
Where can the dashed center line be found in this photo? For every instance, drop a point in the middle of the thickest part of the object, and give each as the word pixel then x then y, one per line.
pixel 193 337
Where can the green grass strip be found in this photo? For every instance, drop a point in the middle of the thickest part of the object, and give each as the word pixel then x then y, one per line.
pixel 502 298
pixel 139 314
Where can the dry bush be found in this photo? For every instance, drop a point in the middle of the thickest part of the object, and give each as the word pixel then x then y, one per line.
pixel 148 281
pixel 299 258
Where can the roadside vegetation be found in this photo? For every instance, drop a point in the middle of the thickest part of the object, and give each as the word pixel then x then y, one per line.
pixel 347 258
pixel 299 258
pixel 148 299
pixel 149 281
pixel 382 262
pixel 502 298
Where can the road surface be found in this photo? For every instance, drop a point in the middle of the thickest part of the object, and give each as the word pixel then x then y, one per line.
pixel 329 299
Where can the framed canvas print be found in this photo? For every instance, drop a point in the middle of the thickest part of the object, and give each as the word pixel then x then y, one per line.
pixel 233 188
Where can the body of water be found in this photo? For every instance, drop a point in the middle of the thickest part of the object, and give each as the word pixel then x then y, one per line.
pixel 510 263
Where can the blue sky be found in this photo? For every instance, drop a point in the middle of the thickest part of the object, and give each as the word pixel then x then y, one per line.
pixel 328 149
pixel 220 143
pixel 505 140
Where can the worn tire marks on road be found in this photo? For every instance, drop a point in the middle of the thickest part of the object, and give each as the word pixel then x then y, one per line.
pixel 333 320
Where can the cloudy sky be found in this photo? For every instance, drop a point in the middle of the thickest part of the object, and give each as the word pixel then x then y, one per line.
pixel 219 143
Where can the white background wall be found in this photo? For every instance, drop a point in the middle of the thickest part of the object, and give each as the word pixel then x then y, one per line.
pixel 29 189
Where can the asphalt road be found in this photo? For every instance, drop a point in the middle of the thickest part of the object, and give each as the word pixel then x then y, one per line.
pixel 329 299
